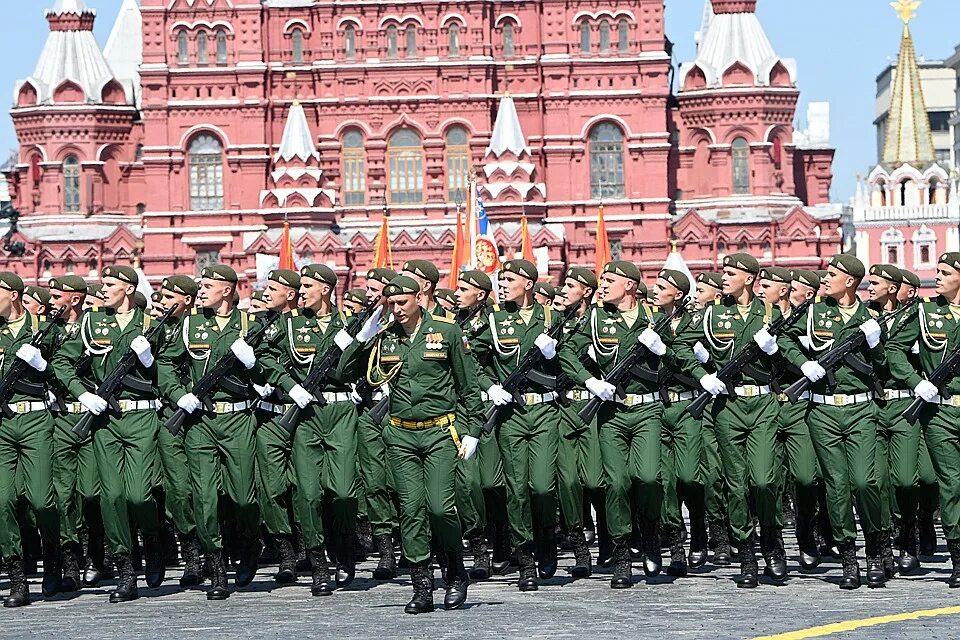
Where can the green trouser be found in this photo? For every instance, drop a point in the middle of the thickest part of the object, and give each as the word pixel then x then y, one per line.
pixel 26 451
pixel 125 447
pixel 630 451
pixel 275 474
pixel 845 439
pixel 711 470
pixel 178 495
pixel 470 506
pixel 492 481
pixel 884 436
pixel 929 488
pixel 795 455
pixel 75 478
pixel 325 463
pixel 422 463
pixel 375 474
pixel 941 430
pixel 579 468
pixel 221 452
pixel 746 431
pixel 528 450
pixel 905 441
pixel 681 450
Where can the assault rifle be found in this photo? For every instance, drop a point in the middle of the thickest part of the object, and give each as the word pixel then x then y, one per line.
pixel 940 378
pixel 18 367
pixel 108 388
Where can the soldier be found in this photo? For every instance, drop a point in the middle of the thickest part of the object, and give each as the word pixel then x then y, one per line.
pixel 220 444
pixel 527 435
pixel 354 300
pixel 447 300
pixel 124 441
pixel 140 301
pixel 156 306
pixel 843 419
pixel 426 274
pixel 544 293
pixel 258 303
pixel 26 445
pixel 36 300
pixel 425 358
pixel 910 287
pixel 94 297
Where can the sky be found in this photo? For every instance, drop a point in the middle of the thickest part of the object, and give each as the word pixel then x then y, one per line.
pixel 840 47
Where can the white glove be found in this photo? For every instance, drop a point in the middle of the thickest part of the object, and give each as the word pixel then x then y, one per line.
pixel 766 342
pixel 301 396
pixel 189 403
pixel 32 356
pixel 244 353
pixel 712 385
pixel 141 347
pixel 813 371
pixel 601 388
pixel 927 390
pixel 547 346
pixel 93 403
pixel 263 391
pixel 871 329
pixel 371 326
pixel 499 396
pixel 468 447
pixel 354 396
pixel 701 353
pixel 651 340
pixel 342 339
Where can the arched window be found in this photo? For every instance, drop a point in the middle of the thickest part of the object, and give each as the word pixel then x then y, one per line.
pixel 584 37
pixel 411 34
pixel 454 40
pixel 202 55
pixel 741 166
pixel 296 46
pixel 623 37
pixel 350 42
pixel 606 161
pixel 604 36
pixel 405 153
pixel 183 48
pixel 354 168
pixel 71 184
pixel 776 153
pixel 892 242
pixel 221 47
pixel 458 164
pixel 392 41
pixel 924 248
pixel 205 160
pixel 508 40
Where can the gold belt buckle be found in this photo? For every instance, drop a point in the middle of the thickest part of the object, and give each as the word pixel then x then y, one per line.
pixel 955 401
pixel 124 405
pixel 22 407
pixel 220 407
pixel 749 391
pixel 839 399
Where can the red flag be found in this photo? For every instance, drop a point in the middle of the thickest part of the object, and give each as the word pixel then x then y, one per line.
pixel 459 244
pixel 602 250
pixel 526 249
pixel 382 256
pixel 286 249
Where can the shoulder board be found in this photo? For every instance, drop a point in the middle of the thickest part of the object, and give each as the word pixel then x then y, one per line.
pixel 927 299
pixel 873 313
pixel 717 303
pixel 496 308
pixel 294 313
pixel 194 311
pixel 147 321
pixel 446 319
pixel 818 300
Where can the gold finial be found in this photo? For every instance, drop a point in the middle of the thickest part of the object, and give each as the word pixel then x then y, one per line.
pixel 906 9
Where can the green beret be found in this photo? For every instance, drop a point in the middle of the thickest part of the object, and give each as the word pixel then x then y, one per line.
pixel 358 296
pixel 139 300
pixel 71 284
pixel 39 294
pixel 286 277
pixel 676 278
pixel 220 272
pixel 184 285
pixel 849 264
pixel 523 268
pixel 776 274
pixel 94 290
pixel 584 276
pixel 821 273
pixel 122 273
pixel 545 289
pixel 258 296
pixel 743 262
pixel 446 294
pixel 951 259
pixel 423 268
pixel 623 268
pixel 11 281
pixel 381 274
pixel 156 297
pixel 804 276
pixel 401 285
pixel 910 278
pixel 319 272
pixel 477 279
pixel 711 279
pixel 887 272
pixel 642 290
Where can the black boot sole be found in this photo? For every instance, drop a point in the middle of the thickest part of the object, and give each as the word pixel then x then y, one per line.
pixel 285 576
pixel 119 599
pixel 581 572
pixel 12 603
pixel 384 574
pixel 479 574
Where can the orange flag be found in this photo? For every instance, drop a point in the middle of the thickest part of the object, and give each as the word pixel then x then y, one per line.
pixel 382 256
pixel 526 248
pixel 286 249
pixel 602 250
pixel 459 246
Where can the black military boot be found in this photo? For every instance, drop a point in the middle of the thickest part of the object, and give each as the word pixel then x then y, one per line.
pixel 909 560
pixel 771 546
pixel 168 542
pixel 604 541
pixel 678 558
pixel 528 568
pixel 720 543
pixel 851 568
pixel 422 601
pixel 346 563
pixel 70 561
pixel 653 561
pixel 218 577
pixel 748 578
pixel 886 554
pixel 457 582
pixel 19 587
pixel 249 550
pixel 622 567
pixel 322 580
pixel 95 569
pixel 287 565
pixel 698 543
pixel 876 576
pixel 582 561
pixel 387 567
pixel 481 558
pixel 928 533
pixel 153 556
pixel 954 548
pixel 547 548
pixel 364 540
pixel 52 569
pixel 190 549
pixel 127 583
pixel 807 544
pixel 500 563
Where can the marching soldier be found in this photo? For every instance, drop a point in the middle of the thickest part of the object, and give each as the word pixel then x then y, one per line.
pixel 426 274
pixel 447 300
pixel 354 300
pixel 544 293
pixel 425 359
pixel 36 300
pixel 258 303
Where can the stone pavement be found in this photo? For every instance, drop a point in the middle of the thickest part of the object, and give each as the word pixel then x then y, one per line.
pixel 704 605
